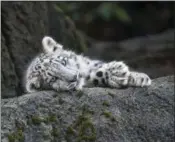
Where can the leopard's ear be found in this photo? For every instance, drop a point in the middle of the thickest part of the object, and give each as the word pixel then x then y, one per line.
pixel 50 45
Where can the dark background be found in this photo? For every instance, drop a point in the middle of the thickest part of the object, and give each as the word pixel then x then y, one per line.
pixel 116 21
pixel 140 33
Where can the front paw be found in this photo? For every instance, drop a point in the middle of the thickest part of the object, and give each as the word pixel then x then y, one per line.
pixel 118 69
pixel 118 73
pixel 139 79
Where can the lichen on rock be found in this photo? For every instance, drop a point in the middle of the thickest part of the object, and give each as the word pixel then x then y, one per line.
pixel 134 114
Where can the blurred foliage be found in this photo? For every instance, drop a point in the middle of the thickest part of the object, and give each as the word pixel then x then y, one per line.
pixel 88 12
pixel 108 10
pixel 115 21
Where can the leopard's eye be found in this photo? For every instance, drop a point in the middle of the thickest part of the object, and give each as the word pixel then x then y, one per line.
pixel 63 62
pixel 60 57
pixel 53 79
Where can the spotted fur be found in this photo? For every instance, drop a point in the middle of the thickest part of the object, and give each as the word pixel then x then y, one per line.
pixel 49 72
pixel 115 74
pixel 61 69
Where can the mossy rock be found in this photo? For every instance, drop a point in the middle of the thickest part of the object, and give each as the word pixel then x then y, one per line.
pixel 82 129
pixel 17 136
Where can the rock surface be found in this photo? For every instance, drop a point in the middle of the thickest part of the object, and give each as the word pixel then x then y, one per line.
pixel 23 26
pixel 96 114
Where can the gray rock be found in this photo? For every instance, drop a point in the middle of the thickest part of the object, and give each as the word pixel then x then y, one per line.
pixel 95 114
pixel 23 26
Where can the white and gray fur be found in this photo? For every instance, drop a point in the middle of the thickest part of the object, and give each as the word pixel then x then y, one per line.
pixel 115 74
pixel 48 71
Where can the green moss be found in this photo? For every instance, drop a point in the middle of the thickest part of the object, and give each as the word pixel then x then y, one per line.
pixel 80 128
pixel 106 103
pixel 81 119
pixel 70 131
pixel 109 115
pixel 36 120
pixel 20 135
pixel 86 111
pixel 52 118
pixel 46 120
pixel 16 136
pixel 55 132
pixel 82 132
pixel 79 93
pixel 11 138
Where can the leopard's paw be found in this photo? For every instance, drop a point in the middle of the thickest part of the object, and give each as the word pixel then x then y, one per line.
pixel 118 74
pixel 118 69
pixel 139 79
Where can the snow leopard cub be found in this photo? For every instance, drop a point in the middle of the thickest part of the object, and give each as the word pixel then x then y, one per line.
pixel 48 71
pixel 114 74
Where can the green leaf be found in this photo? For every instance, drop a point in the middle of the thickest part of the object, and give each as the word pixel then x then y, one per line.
pixel 121 14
